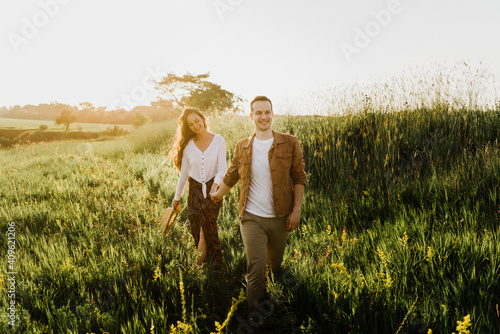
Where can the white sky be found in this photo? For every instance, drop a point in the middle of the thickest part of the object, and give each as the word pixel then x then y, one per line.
pixel 101 50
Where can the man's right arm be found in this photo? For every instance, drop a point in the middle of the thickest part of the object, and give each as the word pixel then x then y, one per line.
pixel 223 189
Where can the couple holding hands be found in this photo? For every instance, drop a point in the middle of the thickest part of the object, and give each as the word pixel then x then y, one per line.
pixel 271 169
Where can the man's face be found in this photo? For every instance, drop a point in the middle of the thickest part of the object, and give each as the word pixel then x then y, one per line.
pixel 262 115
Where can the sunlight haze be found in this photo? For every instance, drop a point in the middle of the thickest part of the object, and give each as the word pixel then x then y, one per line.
pixel 73 51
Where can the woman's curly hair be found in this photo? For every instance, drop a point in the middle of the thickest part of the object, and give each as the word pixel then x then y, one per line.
pixel 183 135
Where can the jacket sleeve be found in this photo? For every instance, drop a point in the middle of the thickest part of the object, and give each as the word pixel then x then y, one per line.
pixel 232 176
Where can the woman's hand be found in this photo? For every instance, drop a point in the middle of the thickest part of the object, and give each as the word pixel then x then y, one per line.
pixel 175 204
pixel 213 191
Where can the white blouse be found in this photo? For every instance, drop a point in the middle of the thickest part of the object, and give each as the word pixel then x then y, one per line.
pixel 202 166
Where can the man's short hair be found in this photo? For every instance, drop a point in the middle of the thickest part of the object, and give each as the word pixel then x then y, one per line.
pixel 260 98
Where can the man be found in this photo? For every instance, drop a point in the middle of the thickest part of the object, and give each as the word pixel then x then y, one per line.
pixel 271 169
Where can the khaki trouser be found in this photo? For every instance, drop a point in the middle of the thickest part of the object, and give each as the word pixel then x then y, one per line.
pixel 265 241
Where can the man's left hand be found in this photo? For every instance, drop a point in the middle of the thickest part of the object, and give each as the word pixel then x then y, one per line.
pixel 213 193
pixel 293 221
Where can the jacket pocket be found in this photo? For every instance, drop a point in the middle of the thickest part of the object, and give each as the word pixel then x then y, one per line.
pixel 284 159
pixel 244 167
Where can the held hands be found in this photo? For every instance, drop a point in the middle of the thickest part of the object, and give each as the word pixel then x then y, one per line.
pixel 214 193
pixel 293 221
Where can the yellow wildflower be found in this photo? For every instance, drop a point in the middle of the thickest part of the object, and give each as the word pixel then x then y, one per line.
pixel 404 239
pixel 463 325
pixel 304 231
pixel 430 254
pixel 68 265
pixel 362 283
pixel 327 251
pixel 183 299
pixel 341 268
pixel 157 274
pixel 388 279
pixel 233 309
pixel 181 328
pixel 344 235
pixel 97 312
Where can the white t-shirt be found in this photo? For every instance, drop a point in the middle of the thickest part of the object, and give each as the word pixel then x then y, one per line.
pixel 260 189
pixel 202 166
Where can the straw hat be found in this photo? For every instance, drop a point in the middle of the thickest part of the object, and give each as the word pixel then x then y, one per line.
pixel 168 218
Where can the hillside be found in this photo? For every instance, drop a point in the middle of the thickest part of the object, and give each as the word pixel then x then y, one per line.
pixel 399 231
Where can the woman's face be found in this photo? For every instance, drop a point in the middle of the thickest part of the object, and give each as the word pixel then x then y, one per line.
pixel 195 123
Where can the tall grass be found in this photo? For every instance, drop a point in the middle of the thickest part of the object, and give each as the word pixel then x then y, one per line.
pixel 458 85
pixel 400 231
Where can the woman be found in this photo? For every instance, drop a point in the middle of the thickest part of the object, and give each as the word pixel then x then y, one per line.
pixel 201 158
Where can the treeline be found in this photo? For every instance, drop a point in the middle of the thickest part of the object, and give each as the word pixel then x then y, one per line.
pixel 86 113
pixel 185 90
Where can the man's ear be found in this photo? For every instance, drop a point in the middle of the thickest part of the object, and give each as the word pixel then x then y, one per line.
pixel 251 116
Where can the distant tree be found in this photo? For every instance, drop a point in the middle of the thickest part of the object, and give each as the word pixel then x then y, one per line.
pixel 66 117
pixel 115 131
pixel 16 109
pixel 51 111
pixel 197 91
pixel 162 109
pixel 5 142
pixel 87 113
pixel 177 87
pixel 211 97
pixel 87 106
pixel 140 120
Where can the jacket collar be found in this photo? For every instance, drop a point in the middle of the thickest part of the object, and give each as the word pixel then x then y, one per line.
pixel 278 139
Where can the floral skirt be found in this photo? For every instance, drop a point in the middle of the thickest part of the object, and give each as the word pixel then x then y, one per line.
pixel 202 213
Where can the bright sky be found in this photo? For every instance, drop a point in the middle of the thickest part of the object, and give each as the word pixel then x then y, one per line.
pixel 106 52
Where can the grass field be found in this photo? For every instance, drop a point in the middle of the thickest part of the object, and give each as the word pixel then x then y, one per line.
pixel 400 233
pixel 19 131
